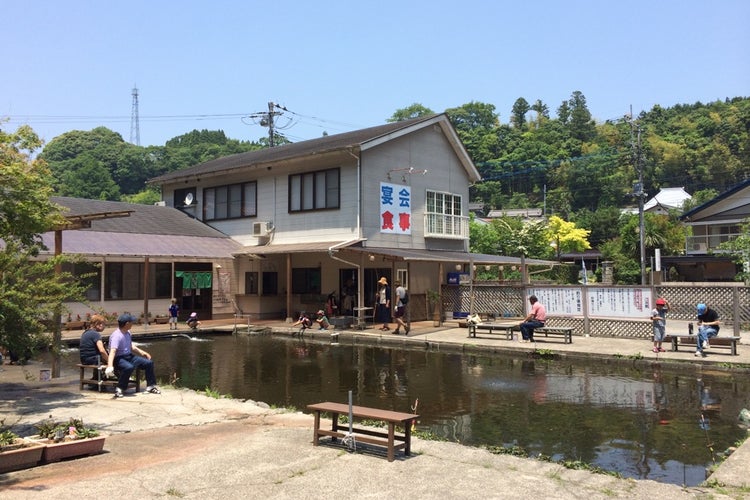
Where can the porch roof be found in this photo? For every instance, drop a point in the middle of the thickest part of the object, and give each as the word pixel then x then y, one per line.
pixel 309 247
pixel 424 255
pixel 398 254
pixel 111 244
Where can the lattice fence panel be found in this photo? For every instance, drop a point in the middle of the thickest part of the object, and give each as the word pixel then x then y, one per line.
pixel 560 321
pixel 682 300
pixel 511 301
pixel 497 301
pixel 744 307
pixel 600 327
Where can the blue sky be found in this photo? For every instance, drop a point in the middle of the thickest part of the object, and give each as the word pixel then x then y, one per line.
pixel 343 65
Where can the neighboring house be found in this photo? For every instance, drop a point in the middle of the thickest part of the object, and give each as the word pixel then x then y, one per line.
pixel 711 224
pixel 667 199
pixel 334 214
pixel 525 213
pixel 140 256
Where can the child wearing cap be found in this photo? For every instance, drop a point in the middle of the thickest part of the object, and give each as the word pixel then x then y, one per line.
pixel 192 321
pixel 659 320
pixel 322 320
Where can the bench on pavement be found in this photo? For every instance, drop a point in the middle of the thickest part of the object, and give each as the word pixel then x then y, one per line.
pixel 504 328
pixel 715 342
pixel 565 331
pixel 100 380
pixel 391 440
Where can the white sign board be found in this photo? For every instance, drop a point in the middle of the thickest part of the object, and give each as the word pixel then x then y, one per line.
pixel 609 302
pixel 395 208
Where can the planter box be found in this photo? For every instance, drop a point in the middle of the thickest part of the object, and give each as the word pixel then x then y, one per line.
pixel 54 452
pixel 20 456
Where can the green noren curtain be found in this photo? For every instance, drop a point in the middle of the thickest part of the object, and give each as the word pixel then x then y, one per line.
pixel 195 279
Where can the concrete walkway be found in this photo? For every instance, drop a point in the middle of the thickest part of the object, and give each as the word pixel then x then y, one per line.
pixel 184 444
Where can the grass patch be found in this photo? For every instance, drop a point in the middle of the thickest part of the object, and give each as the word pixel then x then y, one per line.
pixel 174 492
pixel 544 353
pixel 212 393
pixel 518 451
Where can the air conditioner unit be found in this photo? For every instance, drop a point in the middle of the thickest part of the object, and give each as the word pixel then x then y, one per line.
pixel 262 228
pixel 700 247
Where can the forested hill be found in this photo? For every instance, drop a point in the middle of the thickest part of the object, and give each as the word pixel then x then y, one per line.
pixel 568 163
pixel 585 165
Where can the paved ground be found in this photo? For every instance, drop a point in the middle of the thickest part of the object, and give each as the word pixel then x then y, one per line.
pixel 183 444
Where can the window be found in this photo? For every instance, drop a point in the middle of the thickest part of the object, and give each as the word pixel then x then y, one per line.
pixel 230 202
pixel 402 275
pixel 251 283
pixel 182 196
pixel 87 274
pixel 306 280
pixel 160 281
pixel 314 191
pixel 124 280
pixel 443 216
pixel 270 283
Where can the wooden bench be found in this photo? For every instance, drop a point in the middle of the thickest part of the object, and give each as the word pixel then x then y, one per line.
pixel 390 439
pixel 715 342
pixel 565 331
pixel 102 381
pixel 505 328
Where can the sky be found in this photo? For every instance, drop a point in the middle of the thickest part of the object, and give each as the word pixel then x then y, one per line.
pixel 342 65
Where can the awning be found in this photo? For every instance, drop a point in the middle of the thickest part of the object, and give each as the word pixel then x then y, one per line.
pixel 419 255
pixel 316 246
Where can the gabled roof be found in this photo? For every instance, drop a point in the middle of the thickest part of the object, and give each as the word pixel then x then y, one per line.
pixel 143 219
pixel 668 198
pixel 687 216
pixel 149 231
pixel 356 140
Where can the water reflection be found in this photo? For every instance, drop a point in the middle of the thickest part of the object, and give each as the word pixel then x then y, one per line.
pixel 653 424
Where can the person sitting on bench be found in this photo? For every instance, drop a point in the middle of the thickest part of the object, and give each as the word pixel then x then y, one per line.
pixel 708 327
pixel 535 319
pixel 121 355
pixel 91 347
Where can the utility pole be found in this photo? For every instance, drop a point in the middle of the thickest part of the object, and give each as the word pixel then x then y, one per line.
pixel 270 123
pixel 266 119
pixel 638 191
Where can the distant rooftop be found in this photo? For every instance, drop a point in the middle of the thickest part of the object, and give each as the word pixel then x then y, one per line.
pixel 527 213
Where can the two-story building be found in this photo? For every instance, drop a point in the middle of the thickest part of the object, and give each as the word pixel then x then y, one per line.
pixel 711 224
pixel 332 215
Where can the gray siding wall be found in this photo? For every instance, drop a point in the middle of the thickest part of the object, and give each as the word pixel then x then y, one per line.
pixel 427 149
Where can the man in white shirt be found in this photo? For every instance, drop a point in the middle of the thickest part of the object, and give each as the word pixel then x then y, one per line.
pixel 400 312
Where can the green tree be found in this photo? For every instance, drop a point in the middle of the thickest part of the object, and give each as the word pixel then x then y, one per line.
pixel 566 237
pixel 542 112
pixel 582 126
pixel 414 111
pixel 518 113
pixel 30 290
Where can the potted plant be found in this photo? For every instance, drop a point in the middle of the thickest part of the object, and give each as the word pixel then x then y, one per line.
pixel 433 306
pixel 17 453
pixel 67 440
